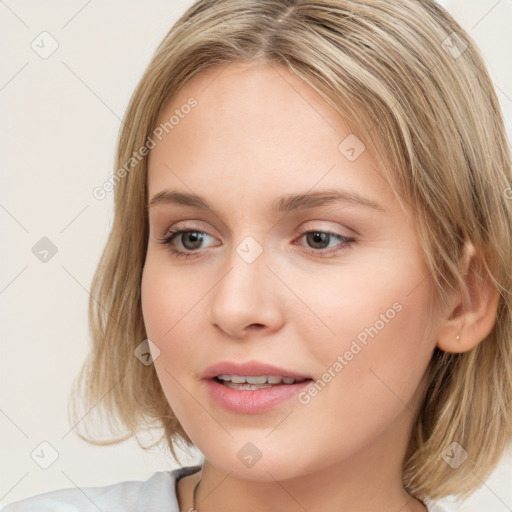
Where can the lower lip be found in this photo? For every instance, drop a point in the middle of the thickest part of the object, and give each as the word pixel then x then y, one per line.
pixel 253 401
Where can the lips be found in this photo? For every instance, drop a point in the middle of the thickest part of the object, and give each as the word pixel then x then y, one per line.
pixel 248 398
pixel 228 384
pixel 250 369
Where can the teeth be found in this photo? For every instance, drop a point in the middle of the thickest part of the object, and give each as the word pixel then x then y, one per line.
pixel 257 380
pixel 246 386
pixel 237 380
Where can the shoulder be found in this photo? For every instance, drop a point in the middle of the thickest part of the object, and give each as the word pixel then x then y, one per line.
pixel 157 493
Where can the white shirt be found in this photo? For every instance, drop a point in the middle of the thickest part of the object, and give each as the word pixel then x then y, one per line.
pixel 156 494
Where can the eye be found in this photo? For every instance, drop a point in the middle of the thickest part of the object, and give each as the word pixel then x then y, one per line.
pixel 191 240
pixel 318 239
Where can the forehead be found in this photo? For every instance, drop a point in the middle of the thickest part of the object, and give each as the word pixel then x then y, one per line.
pixel 259 103
pixel 257 127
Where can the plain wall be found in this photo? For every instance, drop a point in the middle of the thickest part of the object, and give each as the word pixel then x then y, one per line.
pixel 60 118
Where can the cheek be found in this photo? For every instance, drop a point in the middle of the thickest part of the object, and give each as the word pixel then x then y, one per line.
pixel 168 308
pixel 375 362
pixel 378 300
pixel 167 297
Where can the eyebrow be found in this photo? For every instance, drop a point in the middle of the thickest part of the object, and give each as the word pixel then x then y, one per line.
pixel 285 203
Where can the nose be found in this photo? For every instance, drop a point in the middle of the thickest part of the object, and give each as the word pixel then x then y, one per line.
pixel 247 299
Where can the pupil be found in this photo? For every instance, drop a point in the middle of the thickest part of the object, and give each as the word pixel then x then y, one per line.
pixel 319 237
pixel 195 238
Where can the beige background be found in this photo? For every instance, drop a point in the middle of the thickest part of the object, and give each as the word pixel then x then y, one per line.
pixel 60 118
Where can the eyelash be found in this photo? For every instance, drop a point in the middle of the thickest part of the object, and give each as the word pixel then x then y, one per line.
pixel 169 236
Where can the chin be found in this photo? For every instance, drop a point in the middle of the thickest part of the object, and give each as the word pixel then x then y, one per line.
pixel 275 465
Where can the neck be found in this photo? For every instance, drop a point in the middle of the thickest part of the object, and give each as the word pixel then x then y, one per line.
pixel 290 494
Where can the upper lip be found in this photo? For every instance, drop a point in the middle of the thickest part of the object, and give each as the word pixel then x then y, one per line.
pixel 249 368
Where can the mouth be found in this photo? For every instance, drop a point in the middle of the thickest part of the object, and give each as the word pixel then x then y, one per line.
pixel 254 394
pixel 251 372
pixel 255 382
pixel 252 387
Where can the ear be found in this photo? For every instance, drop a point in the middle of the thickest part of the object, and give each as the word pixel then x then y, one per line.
pixel 471 318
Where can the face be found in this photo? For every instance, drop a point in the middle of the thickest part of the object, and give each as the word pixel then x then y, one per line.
pixel 334 291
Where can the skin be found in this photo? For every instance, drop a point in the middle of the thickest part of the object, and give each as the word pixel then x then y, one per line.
pixel 257 133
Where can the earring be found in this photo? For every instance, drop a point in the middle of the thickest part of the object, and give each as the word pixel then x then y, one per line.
pixel 458 338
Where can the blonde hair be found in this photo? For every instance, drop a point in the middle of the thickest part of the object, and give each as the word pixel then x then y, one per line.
pixel 413 86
